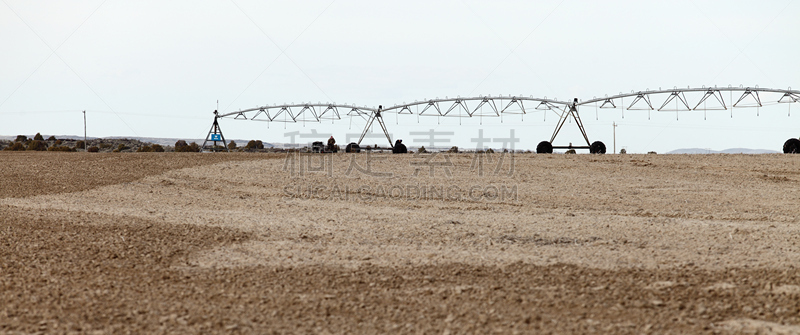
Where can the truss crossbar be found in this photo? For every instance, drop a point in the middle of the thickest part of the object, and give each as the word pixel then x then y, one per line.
pixel 750 93
pixel 788 97
pixel 405 110
pixel 514 101
pixel 717 95
pixel 307 108
pixel 458 103
pixel 333 115
pixel 488 102
pixel 434 105
pixel 255 117
pixel 608 102
pixel 676 95
pixel 641 97
pixel 285 111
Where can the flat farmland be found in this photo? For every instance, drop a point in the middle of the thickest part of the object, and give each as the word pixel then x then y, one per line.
pixel 381 243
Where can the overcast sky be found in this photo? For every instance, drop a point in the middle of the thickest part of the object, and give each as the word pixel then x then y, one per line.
pixel 157 68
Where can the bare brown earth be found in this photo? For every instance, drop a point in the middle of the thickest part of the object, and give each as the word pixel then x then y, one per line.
pixel 257 243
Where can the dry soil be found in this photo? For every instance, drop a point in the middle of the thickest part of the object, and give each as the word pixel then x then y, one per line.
pixel 378 243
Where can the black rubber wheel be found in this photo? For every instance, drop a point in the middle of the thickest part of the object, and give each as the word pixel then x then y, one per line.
pixel 791 146
pixel 399 148
pixel 597 147
pixel 352 147
pixel 544 147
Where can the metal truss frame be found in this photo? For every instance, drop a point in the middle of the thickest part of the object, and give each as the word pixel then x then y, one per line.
pixel 498 105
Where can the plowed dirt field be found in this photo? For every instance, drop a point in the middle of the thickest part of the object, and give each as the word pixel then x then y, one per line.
pixel 380 243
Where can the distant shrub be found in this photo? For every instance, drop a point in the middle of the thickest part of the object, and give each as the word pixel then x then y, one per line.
pixel 63 148
pixel 623 151
pixel 80 145
pixel 59 142
pixel 181 146
pixel 104 145
pixel 254 144
pixel 157 148
pixel 453 150
pixel 570 152
pixel 422 150
pixel 38 137
pixel 17 146
pixel 21 138
pixel 37 145
pixel 232 145
pixel 651 152
pixel 93 149
pixel 121 147
pixel 52 138
pixel 145 148
pixel 490 151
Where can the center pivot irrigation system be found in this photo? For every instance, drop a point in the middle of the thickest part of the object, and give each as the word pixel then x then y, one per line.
pixel 707 98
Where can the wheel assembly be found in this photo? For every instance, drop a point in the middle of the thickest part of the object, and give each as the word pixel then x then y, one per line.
pixel 597 147
pixel 352 147
pixel 544 147
pixel 791 146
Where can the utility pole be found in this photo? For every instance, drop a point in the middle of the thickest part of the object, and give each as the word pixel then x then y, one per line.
pixel 85 145
pixel 614 124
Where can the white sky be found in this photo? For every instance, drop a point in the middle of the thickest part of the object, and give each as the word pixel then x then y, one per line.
pixel 157 68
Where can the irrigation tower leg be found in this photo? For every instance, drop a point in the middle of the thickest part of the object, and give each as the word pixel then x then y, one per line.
pixel 215 135
pixel 376 116
pixel 565 115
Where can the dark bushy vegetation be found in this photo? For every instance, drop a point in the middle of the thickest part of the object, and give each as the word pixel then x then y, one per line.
pixel 145 148
pixel 232 145
pixel 63 148
pixel 254 144
pixel 181 146
pixel 37 145
pixel 150 148
pixel 17 146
